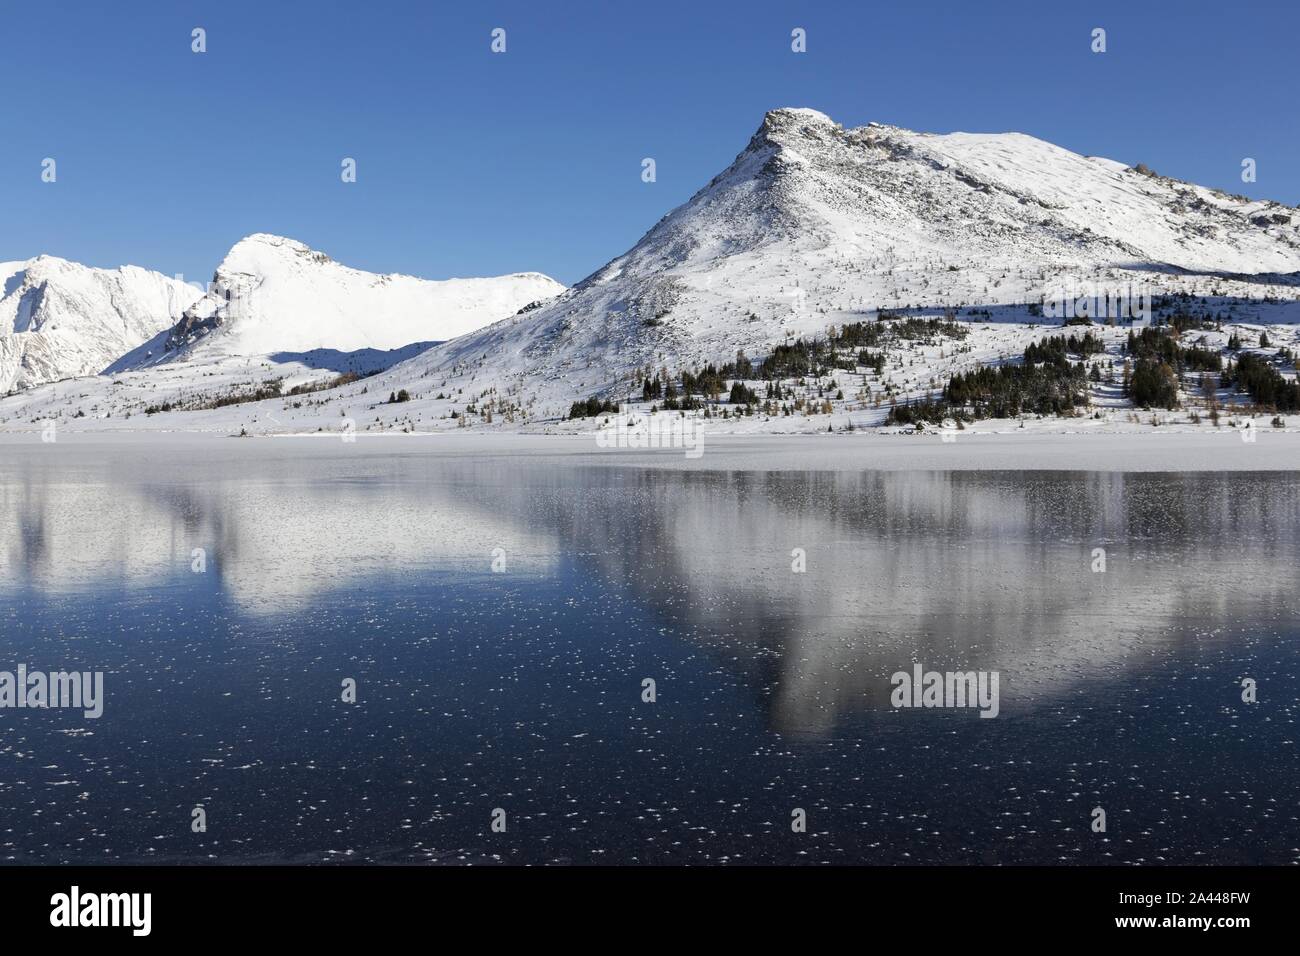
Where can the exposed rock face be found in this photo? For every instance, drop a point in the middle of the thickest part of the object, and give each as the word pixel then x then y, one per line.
pixel 59 319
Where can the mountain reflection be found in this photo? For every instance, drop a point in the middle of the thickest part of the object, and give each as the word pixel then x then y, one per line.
pixel 954 570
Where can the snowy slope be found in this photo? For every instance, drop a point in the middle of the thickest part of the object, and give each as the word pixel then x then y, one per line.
pixel 59 319
pixel 272 294
pixel 811 226
pixel 814 225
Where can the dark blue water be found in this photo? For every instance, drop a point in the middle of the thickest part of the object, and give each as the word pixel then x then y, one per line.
pixel 522 689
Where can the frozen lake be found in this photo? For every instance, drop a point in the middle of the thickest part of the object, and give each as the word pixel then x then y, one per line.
pixel 500 607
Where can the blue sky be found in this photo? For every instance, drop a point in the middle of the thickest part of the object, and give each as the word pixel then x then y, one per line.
pixel 471 163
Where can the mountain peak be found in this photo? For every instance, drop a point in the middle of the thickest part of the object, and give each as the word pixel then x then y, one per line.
pixel 266 239
pixel 274 294
pixel 815 224
pixel 783 115
pixel 783 126
pixel 258 252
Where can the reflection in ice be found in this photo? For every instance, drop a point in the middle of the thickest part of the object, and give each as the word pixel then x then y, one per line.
pixel 524 687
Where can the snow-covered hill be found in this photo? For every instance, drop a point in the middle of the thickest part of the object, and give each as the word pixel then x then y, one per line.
pixel 59 319
pixel 272 294
pixel 815 225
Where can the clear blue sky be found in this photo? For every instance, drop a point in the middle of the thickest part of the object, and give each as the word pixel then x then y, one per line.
pixel 471 163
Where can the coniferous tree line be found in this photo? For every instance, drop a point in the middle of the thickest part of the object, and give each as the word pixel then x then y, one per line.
pixel 1005 391
pixel 1056 348
pixel 1153 384
pixel 854 335
pixel 1158 363
pixel 917 328
pixel 872 360
pixel 795 359
pixel 1183 321
pixel 591 407
pixel 1265 384
pixel 742 394
pixel 1047 383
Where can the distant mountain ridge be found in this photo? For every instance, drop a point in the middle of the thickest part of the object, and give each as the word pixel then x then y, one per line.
pixel 812 226
pixel 272 294
pixel 60 319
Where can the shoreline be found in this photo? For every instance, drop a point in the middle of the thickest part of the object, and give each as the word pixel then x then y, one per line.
pixel 1151 451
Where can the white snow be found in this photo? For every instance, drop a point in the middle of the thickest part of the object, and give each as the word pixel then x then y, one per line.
pixel 272 294
pixel 59 319
pixel 812 226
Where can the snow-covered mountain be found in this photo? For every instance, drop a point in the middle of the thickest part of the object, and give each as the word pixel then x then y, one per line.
pixel 813 225
pixel 272 294
pixel 59 319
